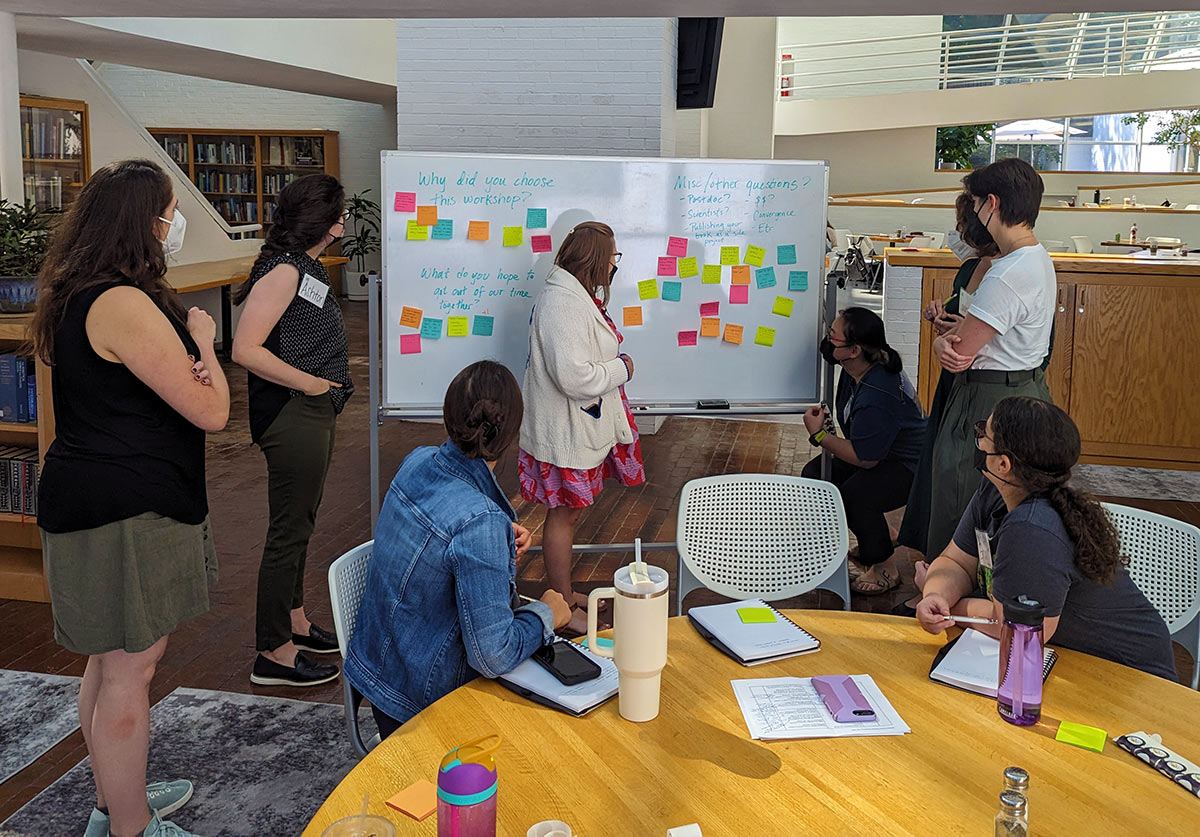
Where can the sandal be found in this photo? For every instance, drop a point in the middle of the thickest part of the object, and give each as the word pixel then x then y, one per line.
pixel 852 556
pixel 888 583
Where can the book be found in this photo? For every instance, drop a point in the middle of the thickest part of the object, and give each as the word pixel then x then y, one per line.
pixel 31 388
pixel 8 387
pixel 752 643
pixel 532 681
pixel 20 392
pixel 971 662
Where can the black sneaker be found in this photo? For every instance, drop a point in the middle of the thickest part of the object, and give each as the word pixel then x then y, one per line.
pixel 318 641
pixel 306 673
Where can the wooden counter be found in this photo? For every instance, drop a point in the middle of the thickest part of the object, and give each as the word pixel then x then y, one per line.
pixel 1125 366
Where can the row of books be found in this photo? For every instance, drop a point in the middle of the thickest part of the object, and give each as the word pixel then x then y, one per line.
pixel 18 480
pixel 273 183
pixel 294 151
pixel 50 137
pixel 234 209
pixel 225 181
pixel 18 389
pixel 225 152
pixel 177 149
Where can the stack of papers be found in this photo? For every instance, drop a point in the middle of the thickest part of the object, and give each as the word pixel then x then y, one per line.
pixel 530 680
pixel 789 707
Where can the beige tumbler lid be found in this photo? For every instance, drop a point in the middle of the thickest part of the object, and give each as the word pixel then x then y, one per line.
pixel 626 586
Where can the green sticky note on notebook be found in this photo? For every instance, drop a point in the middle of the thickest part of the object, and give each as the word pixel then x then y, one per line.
pixel 756 615
pixel 1079 735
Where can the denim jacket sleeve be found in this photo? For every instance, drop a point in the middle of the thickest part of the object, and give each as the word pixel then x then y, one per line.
pixel 497 638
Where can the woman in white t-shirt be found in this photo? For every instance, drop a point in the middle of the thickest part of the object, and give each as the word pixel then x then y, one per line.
pixel 998 348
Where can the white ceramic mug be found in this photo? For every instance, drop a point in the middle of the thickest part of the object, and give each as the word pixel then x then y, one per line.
pixel 639 638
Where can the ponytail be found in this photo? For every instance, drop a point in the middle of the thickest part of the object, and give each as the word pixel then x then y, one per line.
pixel 864 328
pixel 1097 545
pixel 890 359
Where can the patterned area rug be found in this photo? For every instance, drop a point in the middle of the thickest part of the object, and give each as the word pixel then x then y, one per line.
pixel 39 711
pixel 1143 483
pixel 260 765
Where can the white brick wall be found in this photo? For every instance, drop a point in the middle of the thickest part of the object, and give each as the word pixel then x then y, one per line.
pixel 902 315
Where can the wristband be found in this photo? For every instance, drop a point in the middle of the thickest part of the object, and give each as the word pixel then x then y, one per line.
pixel 816 438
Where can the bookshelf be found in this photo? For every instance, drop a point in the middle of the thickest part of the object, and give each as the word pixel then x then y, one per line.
pixel 241 172
pixel 55 150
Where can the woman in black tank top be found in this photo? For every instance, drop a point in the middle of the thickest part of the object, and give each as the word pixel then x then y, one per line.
pixel 292 342
pixel 122 506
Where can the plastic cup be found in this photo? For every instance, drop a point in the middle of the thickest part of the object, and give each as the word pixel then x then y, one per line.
pixel 549 828
pixel 359 826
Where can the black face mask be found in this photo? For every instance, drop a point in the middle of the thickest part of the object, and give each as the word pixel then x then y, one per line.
pixel 977 231
pixel 981 459
pixel 612 272
pixel 827 350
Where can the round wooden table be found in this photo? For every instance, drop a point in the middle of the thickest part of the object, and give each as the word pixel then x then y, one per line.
pixel 697 763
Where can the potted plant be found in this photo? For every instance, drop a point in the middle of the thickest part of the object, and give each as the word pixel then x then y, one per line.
pixel 24 239
pixel 956 144
pixel 361 240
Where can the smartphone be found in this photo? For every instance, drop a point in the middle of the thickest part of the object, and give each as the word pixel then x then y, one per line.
pixel 566 662
pixel 843 699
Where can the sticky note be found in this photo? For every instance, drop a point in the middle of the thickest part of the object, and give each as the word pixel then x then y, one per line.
pixel 729 255
pixel 711 275
pixel 477 231
pixel 672 291
pixel 443 230
pixel 601 642
pixel 410 317
pixel 535 219
pixel 687 338
pixel 427 215
pixel 541 243
pixel 741 274
pixel 756 615
pixel 676 246
pixel 764 336
pixel 666 265
pixel 416 232
pixel 739 294
pixel 786 254
pixel 710 327
pixel 405 202
pixel 1089 738
pixel 733 333
pixel 456 326
pixel 482 327
pixel 782 306
pixel 418 800
pixel 754 255
pixel 710 309
pixel 688 267
pixel 410 344
pixel 765 277
pixel 648 289
pixel 513 236
pixel 797 280
pixel 431 328
pixel 631 315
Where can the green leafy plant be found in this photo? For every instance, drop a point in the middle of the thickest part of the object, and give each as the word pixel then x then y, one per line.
pixel 24 239
pixel 362 220
pixel 956 144
pixel 1180 130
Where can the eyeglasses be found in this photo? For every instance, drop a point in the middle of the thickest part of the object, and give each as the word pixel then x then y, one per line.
pixel 616 258
pixel 980 428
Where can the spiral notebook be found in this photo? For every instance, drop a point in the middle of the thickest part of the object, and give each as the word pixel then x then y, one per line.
pixel 752 643
pixel 971 662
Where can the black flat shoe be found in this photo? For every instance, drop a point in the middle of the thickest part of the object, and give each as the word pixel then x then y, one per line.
pixel 306 673
pixel 318 641
pixel 903 609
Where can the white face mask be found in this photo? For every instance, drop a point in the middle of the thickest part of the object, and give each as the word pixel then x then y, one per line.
pixel 173 243
pixel 960 248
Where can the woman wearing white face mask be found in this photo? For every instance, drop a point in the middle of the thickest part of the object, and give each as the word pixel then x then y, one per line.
pixel 122 501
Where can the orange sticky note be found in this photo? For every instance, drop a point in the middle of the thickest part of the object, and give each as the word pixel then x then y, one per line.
pixel 477 231
pixel 427 216
pixel 418 800
pixel 411 317
pixel 733 333
pixel 741 274
pixel 632 316
pixel 710 326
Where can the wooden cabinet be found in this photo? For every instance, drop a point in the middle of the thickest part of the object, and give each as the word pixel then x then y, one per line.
pixel 1058 373
pixel 55 153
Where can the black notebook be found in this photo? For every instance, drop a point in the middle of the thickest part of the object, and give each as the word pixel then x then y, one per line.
pixel 971 662
pixel 752 643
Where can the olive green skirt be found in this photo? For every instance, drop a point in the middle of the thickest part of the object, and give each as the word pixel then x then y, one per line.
pixel 126 585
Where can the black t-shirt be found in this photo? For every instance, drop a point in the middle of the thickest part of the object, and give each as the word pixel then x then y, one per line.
pixel 881 417
pixel 1033 555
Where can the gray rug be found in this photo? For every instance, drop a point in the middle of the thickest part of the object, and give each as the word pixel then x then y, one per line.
pixel 1142 483
pixel 38 712
pixel 261 766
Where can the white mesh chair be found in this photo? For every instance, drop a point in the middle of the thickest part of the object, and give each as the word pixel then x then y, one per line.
pixel 347 580
pixel 939 240
pixel 762 535
pixel 925 242
pixel 1082 243
pixel 1164 562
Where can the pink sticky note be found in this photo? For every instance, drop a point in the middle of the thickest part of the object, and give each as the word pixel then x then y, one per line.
pixel 540 243
pixel 406 202
pixel 677 247
pixel 739 294
pixel 687 338
pixel 666 265
pixel 410 344
pixel 710 309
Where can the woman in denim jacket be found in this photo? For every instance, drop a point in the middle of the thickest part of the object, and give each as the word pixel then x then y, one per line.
pixel 441 584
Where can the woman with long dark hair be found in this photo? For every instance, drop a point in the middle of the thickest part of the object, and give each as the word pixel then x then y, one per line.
pixel 292 342
pixel 1026 532
pixel 122 503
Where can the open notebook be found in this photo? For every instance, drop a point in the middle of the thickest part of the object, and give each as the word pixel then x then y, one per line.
pixel 972 662
pixel 532 681
pixel 752 643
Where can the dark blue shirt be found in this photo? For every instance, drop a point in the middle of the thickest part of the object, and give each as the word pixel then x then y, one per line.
pixel 881 417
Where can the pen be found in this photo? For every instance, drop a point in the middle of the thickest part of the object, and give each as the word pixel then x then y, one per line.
pixel 971 620
pixel 949 298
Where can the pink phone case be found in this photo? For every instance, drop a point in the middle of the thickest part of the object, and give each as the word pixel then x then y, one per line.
pixel 843 699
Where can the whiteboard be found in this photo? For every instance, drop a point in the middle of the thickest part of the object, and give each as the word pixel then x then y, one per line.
pixel 435 273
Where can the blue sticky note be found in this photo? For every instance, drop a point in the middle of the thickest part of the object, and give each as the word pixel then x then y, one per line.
pixel 535 219
pixel 482 327
pixel 601 642
pixel 797 280
pixel 786 254
pixel 671 291
pixel 431 328
pixel 443 230
pixel 765 277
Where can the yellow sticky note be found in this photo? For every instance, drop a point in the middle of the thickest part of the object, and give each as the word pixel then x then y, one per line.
pixel 648 289
pixel 513 236
pixel 410 317
pixel 729 255
pixel 741 274
pixel 712 274
pixel 754 255
pixel 477 231
pixel 782 306
pixel 456 326
pixel 1089 738
pixel 756 615
pixel 427 216
pixel 416 232
pixel 631 316
pixel 710 326
pixel 733 333
pixel 764 336
pixel 688 267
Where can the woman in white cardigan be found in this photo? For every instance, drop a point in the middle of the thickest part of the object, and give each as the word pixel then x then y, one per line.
pixel 577 429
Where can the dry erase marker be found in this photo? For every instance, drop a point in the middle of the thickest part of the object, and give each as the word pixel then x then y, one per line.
pixel 971 620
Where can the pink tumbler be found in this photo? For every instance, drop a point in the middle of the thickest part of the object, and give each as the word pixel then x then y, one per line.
pixel 466 789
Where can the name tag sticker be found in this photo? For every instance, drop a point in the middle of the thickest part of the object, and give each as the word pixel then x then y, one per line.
pixel 313 290
pixel 984 547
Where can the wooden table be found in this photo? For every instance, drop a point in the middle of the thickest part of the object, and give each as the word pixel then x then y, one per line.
pixel 893 240
pixel 1128 243
pixel 697 763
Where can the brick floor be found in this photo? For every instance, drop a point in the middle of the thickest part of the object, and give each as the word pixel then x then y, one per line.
pixel 215 651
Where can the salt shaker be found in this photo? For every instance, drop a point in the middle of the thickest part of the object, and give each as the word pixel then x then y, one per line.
pixel 1011 819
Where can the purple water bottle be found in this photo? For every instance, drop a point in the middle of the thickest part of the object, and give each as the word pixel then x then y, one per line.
pixel 1019 698
pixel 466 789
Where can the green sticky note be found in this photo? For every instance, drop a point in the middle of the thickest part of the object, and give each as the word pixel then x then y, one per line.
pixel 431 328
pixel 483 325
pixel 513 236
pixel 688 267
pixel 754 255
pixel 456 326
pixel 415 232
pixel 1079 735
pixel 648 289
pixel 729 255
pixel 712 274
pixel 764 336
pixel 782 306
pixel 672 291
pixel 443 230
pixel 797 280
pixel 535 219
pixel 786 254
pixel 756 615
